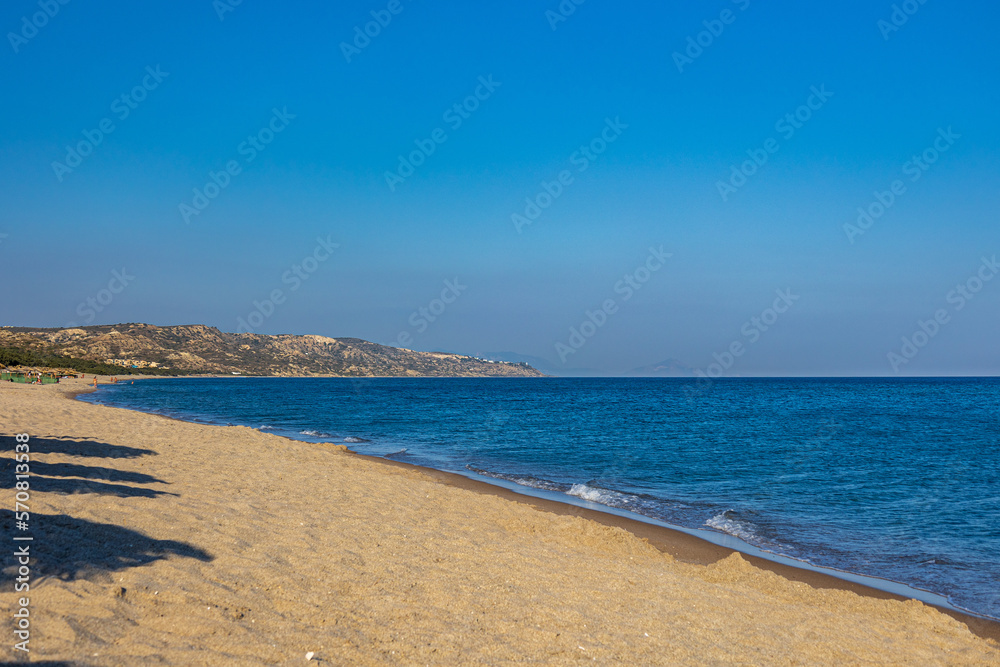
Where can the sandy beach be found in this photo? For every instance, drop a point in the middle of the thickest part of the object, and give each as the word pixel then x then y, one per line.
pixel 160 542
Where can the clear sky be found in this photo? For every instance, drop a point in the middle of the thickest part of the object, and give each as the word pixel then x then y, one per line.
pixel 688 161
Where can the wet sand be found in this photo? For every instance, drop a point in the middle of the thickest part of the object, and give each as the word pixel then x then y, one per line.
pixel 165 542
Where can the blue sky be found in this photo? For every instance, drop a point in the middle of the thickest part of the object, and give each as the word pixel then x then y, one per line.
pixel 335 125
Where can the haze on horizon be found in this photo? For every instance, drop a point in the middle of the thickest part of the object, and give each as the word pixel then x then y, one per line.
pixel 604 188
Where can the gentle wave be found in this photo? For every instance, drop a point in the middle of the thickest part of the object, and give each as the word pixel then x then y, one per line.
pixel 523 480
pixel 727 522
pixel 351 438
pixel 653 507
pixel 315 434
pixel 604 496
pixel 640 503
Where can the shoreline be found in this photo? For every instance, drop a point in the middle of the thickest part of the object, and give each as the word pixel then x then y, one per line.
pixel 693 549
pixel 680 545
pixel 171 542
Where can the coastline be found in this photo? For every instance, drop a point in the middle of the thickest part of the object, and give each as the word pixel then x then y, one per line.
pixel 691 548
pixel 691 545
pixel 590 534
pixel 683 546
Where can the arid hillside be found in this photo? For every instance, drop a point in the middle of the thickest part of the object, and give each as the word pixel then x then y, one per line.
pixel 202 349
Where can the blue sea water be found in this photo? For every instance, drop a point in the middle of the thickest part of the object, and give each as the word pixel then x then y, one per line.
pixel 898 479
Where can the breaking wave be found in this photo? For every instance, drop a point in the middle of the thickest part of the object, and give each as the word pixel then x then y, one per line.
pixel 607 497
pixel 727 522
pixel 316 434
pixel 523 480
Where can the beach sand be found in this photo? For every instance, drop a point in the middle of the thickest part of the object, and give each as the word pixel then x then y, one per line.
pixel 159 542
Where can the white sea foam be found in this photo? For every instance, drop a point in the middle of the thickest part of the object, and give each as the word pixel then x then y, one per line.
pixel 590 493
pixel 522 480
pixel 536 483
pixel 726 523
pixel 315 434
pixel 351 438
pixel 606 497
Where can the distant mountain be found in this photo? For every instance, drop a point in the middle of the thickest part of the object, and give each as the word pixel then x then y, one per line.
pixel 202 349
pixel 671 368
pixel 543 365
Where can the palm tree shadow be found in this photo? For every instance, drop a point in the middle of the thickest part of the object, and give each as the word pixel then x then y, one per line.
pixel 89 448
pixel 70 486
pixel 58 477
pixel 87 472
pixel 69 548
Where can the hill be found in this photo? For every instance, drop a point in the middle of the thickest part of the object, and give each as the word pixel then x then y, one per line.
pixel 202 349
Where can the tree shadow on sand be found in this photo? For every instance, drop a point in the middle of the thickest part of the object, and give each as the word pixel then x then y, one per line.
pixel 58 477
pixel 69 486
pixel 68 548
pixel 90 448
pixel 87 472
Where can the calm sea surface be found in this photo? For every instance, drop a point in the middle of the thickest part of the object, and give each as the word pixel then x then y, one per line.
pixel 898 479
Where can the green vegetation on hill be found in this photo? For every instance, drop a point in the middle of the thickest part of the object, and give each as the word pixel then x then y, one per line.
pixel 15 356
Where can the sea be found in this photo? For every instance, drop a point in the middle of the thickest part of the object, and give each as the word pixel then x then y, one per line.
pixel 897 479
